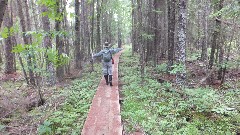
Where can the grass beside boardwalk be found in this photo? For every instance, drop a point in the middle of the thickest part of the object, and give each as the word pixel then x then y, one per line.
pixel 70 116
pixel 158 109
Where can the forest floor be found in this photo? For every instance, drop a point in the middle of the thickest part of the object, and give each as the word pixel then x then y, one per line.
pixel 202 108
pixel 20 112
pixel 155 105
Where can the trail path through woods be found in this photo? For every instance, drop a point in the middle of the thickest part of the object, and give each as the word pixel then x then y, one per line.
pixel 104 115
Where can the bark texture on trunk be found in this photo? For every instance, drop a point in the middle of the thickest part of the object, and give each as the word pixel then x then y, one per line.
pixel 59 44
pixel 216 34
pixel 9 43
pixel 171 32
pixel 204 54
pixel 48 44
pixel 27 40
pixel 98 40
pixel 181 46
pixel 77 36
pixel 3 6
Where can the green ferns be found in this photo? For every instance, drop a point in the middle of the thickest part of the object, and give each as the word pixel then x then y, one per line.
pixel 159 109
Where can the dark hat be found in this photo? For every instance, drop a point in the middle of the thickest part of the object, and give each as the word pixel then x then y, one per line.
pixel 106 44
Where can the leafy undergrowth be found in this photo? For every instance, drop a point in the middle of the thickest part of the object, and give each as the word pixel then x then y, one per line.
pixel 64 111
pixel 157 108
pixel 70 117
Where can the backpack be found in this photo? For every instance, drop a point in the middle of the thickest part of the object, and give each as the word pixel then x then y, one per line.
pixel 107 56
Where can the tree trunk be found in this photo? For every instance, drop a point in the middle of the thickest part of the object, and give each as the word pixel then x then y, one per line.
pixel 140 41
pixel 221 48
pixel 134 27
pixel 32 62
pixel 216 34
pixel 181 46
pixel 3 6
pixel 27 40
pixel 84 40
pixel 150 31
pixel 199 35
pixel 9 56
pixel 48 44
pixel 119 36
pixel 77 36
pixel 98 41
pixel 92 32
pixel 204 55
pixel 171 31
pixel 81 29
pixel 35 10
pixel 156 30
pixel 66 40
pixel 59 44
pixel 0 55
pixel 215 39
pixel 87 22
pixel 15 41
pixel 223 71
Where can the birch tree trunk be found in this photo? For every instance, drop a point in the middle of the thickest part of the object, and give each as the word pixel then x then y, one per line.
pixel 181 46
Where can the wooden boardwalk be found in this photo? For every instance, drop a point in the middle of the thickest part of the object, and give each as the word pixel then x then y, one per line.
pixel 104 116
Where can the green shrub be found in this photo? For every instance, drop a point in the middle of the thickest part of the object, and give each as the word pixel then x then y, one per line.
pixel 161 68
pixel 204 100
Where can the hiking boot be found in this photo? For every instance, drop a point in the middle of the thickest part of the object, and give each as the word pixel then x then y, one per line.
pixel 106 78
pixel 110 80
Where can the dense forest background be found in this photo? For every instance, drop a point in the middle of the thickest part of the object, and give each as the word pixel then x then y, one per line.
pixel 46 44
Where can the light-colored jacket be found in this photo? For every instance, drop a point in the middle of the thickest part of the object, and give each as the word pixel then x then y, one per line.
pixel 107 66
pixel 112 50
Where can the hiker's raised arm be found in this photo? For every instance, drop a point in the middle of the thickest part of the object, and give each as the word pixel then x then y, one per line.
pixel 97 54
pixel 115 50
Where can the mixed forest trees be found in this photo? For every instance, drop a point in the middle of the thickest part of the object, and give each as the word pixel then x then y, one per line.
pixel 199 28
pixel 188 43
pixel 158 29
pixel 55 31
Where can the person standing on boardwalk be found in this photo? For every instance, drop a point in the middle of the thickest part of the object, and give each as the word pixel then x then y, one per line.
pixel 107 61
